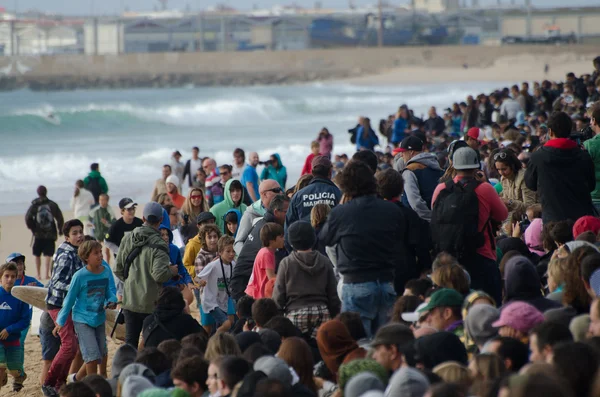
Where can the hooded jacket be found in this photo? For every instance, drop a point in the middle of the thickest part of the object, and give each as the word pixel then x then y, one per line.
pixel 177 323
pixel 239 217
pixel 523 284
pixel 318 191
pixel 593 148
pixel 31 219
pixel 16 315
pixel 306 279
pixel 175 259
pixel 563 175
pixel 249 217
pixel 421 176
pixel 147 272
pixel 96 184
pixel 278 174
pixel 517 191
pixel 219 210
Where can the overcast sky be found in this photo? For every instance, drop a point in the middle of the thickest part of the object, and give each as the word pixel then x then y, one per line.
pixel 115 6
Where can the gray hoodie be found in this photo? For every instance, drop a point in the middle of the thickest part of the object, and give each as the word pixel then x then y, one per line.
pixel 252 214
pixel 306 279
pixel 412 191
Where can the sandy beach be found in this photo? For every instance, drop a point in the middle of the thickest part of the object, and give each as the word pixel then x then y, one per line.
pixel 16 237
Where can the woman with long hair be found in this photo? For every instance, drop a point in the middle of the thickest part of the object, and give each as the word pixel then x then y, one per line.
pixel 194 205
pixel 365 136
pixel 296 353
pixel 575 294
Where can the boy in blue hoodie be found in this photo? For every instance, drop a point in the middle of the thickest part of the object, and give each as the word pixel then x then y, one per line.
pixel 15 316
pixel 183 280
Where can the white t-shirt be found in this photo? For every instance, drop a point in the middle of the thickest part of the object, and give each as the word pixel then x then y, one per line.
pixel 194 166
pixel 236 172
pixel 214 293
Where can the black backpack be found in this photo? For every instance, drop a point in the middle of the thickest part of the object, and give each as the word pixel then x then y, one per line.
pixel 93 186
pixel 455 220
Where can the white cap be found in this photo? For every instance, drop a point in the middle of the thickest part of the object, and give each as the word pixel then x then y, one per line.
pixel 416 315
pixel 172 179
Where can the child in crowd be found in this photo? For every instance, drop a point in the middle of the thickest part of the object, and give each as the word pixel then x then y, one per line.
pixel 102 217
pixel 318 216
pixel 194 244
pixel 232 220
pixel 14 318
pixel 215 278
pixel 208 235
pixel 306 287
pixel 271 236
pixel 88 293
pixel 243 310
pixel 314 152
pixel 183 281
pixel 66 263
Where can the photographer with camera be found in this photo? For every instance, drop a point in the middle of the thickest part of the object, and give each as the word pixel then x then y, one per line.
pixel 561 173
pixel 593 148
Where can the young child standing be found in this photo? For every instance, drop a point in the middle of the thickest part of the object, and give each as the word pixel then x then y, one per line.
pixel 314 152
pixel 215 278
pixel 102 217
pixel 271 236
pixel 14 318
pixel 87 298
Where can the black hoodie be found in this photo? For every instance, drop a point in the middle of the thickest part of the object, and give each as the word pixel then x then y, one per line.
pixel 523 284
pixel 177 324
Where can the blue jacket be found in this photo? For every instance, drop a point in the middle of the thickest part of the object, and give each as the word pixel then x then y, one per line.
pixel 318 191
pixel 239 219
pixel 278 174
pixel 400 126
pixel 176 259
pixel 366 143
pixel 26 280
pixel 15 315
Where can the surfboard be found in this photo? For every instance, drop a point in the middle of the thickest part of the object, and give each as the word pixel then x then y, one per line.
pixel 36 297
pixel 52 119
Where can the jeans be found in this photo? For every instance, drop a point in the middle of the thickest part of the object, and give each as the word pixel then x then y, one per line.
pixel 50 344
pixel 59 369
pixel 373 300
pixel 92 341
pixel 133 327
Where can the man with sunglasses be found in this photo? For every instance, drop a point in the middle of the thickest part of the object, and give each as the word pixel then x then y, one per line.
pixel 122 226
pixel 267 190
pixel 321 190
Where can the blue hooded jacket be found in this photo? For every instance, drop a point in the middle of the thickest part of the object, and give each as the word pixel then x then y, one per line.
pixel 176 259
pixel 400 125
pixel 239 218
pixel 278 174
pixel 369 142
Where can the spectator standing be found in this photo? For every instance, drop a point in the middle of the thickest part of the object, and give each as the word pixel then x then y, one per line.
pixel 95 182
pixel 192 166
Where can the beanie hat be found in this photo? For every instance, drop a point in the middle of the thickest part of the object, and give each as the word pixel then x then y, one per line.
pixel 478 323
pixel 302 235
pixel 520 316
pixel 362 383
pixel 355 367
pixel 172 179
pixel 586 223
pixel 134 385
pixel 274 368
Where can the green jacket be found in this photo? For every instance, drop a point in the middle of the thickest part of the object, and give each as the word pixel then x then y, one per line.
pixel 219 210
pixel 593 148
pixel 147 272
pixel 101 181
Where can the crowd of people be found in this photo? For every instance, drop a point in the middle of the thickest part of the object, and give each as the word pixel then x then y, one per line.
pixel 463 259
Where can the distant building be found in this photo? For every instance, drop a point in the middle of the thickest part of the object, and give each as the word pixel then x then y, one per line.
pixel 436 6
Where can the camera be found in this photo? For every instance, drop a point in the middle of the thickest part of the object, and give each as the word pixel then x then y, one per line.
pixel 524 224
pixel 582 135
pixel 267 163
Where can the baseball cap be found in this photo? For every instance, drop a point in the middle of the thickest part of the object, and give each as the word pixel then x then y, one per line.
pixel 126 203
pixel 465 158
pixel 595 282
pixel 153 212
pixel 411 143
pixel 393 334
pixel 476 133
pixel 586 223
pixel 321 161
pixel 413 317
pixel 14 256
pixel 520 316
pixel 205 217
pixel 274 368
pixel 445 297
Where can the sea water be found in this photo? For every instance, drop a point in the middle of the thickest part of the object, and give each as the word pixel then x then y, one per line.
pixel 132 133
